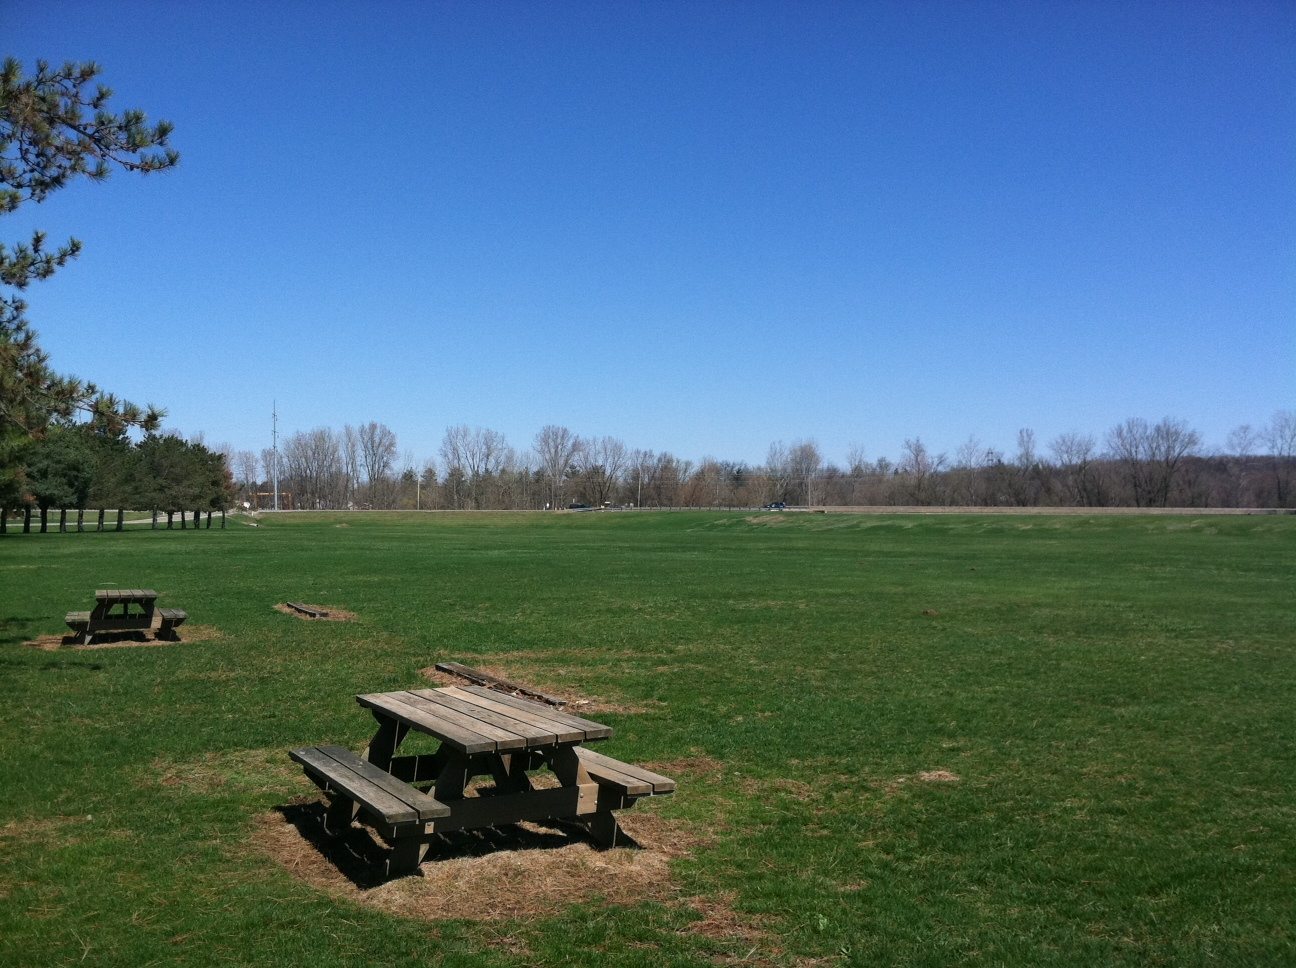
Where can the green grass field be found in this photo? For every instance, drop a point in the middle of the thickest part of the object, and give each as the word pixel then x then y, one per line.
pixel 1104 709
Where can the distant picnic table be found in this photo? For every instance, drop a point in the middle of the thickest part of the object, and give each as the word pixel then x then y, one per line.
pixel 124 610
pixel 481 733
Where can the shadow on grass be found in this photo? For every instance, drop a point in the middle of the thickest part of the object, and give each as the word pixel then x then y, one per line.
pixel 360 856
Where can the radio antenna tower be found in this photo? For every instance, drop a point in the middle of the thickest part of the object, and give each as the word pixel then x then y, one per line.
pixel 274 448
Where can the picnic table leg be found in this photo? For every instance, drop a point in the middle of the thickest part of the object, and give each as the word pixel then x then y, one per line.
pixel 405 857
pixel 601 824
pixel 340 813
pixel 605 831
pixel 381 748
pixel 452 782
pixel 509 772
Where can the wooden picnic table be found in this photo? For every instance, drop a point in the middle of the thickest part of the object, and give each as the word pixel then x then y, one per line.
pixel 124 610
pixel 481 733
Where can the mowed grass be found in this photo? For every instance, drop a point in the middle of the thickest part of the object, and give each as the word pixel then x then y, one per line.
pixel 914 740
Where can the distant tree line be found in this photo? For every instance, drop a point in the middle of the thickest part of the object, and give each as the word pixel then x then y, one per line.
pixel 79 466
pixel 1135 464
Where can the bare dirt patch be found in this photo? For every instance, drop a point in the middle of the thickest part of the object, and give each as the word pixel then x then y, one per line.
pixel 524 871
pixel 938 776
pixel 575 702
pixel 125 640
pixel 335 614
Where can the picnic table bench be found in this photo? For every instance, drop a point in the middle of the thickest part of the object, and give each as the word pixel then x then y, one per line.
pixel 124 610
pixel 481 733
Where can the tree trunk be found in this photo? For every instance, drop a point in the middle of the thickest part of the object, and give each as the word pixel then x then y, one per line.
pixel 222 519
pixel 80 520
pixel 170 519
pixel 154 525
pixel 101 519
pixel 4 521
pixel 62 520
pixel 44 520
pixel 208 520
pixel 121 520
pixel 27 520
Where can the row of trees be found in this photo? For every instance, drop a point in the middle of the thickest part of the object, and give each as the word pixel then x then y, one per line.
pixel 78 466
pixel 1137 464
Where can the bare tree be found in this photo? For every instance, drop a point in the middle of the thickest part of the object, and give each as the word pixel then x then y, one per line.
pixel 377 457
pixel 1152 456
pixel 1076 455
pixel 477 455
pixel 921 468
pixel 350 444
pixel 599 462
pixel 312 469
pixel 1280 436
pixel 555 449
pixel 639 472
pixel 244 466
pixel 805 462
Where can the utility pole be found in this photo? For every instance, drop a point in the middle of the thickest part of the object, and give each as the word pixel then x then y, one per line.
pixel 274 448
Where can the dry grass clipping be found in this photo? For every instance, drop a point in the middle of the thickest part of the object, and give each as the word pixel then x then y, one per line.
pixel 521 872
pixel 335 614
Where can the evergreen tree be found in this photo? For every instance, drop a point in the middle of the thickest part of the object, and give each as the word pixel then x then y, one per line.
pixel 53 128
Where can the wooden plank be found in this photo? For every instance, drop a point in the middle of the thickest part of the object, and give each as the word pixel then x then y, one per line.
pixel 347 781
pixel 598 761
pixel 591 729
pixel 606 773
pixel 486 679
pixel 548 804
pixel 458 737
pixel 533 735
pixel 537 715
pixel 426 807
pixel 504 739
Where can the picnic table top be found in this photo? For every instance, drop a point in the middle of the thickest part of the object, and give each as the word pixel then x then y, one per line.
pixel 125 594
pixel 477 720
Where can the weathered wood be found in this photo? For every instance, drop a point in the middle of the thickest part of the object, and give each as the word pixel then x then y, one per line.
pixel 504 739
pixel 481 678
pixel 490 811
pixel 172 619
pixel 536 716
pixel 635 780
pixel 395 802
pixel 532 734
pixel 307 610
pixel 390 705
pixel 381 748
pixel 591 729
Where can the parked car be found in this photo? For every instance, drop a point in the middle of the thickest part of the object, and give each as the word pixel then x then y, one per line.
pixel 776 506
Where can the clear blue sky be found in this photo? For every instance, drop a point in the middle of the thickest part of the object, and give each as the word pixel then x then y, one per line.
pixel 699 227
